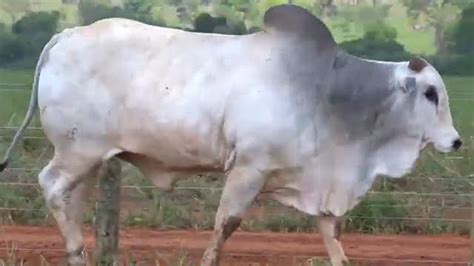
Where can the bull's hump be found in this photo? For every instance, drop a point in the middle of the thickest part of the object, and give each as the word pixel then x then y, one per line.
pixel 298 22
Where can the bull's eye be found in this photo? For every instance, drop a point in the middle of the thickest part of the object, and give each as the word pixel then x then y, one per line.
pixel 432 95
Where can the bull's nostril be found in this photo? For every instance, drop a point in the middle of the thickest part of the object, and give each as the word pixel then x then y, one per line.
pixel 457 144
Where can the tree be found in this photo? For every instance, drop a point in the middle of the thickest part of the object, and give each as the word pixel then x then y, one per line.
pixel 352 20
pixel 187 10
pixel 13 8
pixel 379 42
pixel 140 10
pixel 90 11
pixel 327 7
pixel 11 47
pixel 239 11
pixel 206 23
pixel 436 14
pixel 463 36
pixel 36 29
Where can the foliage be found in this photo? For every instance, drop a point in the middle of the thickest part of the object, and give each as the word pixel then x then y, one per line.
pixel 460 65
pixel 204 22
pixel 11 47
pixel 347 22
pixel 35 29
pixel 352 22
pixel 460 36
pixel 12 8
pixel 139 10
pixel 379 43
pixel 239 10
pixel 437 14
pixel 463 33
pixel 27 36
pixel 380 32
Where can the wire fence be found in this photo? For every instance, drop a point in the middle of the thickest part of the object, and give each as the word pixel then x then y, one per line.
pixel 465 180
pixel 455 95
pixel 459 202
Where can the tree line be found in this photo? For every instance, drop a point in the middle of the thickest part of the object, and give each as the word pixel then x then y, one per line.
pixel 21 43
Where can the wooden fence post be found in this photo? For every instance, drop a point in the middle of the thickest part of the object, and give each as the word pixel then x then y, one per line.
pixel 472 230
pixel 107 215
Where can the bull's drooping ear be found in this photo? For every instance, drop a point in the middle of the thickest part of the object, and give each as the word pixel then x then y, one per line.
pixel 409 85
pixel 417 64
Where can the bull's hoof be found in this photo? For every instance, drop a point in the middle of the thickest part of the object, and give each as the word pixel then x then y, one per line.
pixel 76 258
pixel 209 259
pixel 3 166
pixel 76 262
pixel 340 263
pixel 209 263
pixel 345 261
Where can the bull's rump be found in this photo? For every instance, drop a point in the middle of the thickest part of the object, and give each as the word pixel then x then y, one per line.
pixel 119 85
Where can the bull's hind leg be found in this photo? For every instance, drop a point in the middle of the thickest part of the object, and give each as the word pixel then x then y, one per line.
pixel 241 187
pixel 329 228
pixel 62 184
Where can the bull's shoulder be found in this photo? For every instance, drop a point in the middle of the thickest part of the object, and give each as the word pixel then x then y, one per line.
pixel 298 22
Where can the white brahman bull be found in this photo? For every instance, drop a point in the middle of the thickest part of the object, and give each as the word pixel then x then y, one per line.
pixel 284 111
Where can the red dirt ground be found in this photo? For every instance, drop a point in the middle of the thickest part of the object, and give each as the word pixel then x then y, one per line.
pixel 44 243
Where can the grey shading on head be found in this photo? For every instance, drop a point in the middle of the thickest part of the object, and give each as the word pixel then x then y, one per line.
pixel 410 85
pixel 360 96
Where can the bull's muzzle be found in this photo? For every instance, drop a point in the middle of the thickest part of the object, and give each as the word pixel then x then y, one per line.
pixel 457 144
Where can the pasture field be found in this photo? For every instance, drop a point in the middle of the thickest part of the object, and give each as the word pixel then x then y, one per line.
pixel 435 199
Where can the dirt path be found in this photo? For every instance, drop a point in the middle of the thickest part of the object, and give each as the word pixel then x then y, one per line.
pixel 44 243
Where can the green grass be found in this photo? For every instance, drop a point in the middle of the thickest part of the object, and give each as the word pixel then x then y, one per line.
pixel 14 98
pixel 419 42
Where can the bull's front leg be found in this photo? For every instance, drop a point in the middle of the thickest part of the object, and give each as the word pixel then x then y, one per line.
pixel 241 187
pixel 330 229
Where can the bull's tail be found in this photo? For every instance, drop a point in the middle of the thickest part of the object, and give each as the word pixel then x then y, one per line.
pixel 33 101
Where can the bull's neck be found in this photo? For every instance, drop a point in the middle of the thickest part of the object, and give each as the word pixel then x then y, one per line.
pixel 356 72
